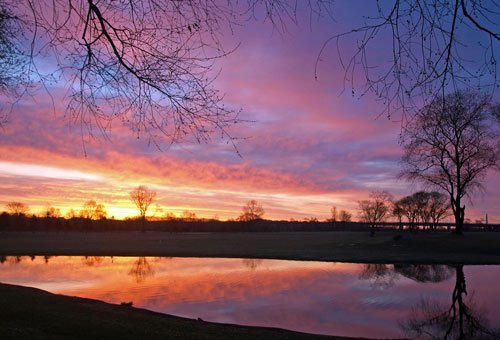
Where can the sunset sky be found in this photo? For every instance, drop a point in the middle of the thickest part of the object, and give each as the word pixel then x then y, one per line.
pixel 306 144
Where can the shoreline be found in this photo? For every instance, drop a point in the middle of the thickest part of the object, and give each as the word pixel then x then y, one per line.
pixel 31 313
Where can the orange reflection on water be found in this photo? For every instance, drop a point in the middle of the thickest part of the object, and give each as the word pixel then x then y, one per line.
pixel 315 297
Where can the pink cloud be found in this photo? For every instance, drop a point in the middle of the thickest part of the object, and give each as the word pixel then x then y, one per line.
pixel 305 137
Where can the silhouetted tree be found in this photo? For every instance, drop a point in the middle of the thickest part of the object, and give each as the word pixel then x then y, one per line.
pixel 252 211
pixel 376 209
pixel 345 216
pixel 421 200
pixel 169 216
pixel 17 208
pixel 72 213
pixel 450 145
pixel 415 207
pixel 142 198
pixel 408 208
pixel 424 207
pixel 334 213
pixel 188 216
pixel 93 210
pixel 50 212
pixel 398 210
pixel 438 207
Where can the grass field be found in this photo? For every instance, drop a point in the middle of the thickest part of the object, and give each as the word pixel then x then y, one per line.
pixel 472 248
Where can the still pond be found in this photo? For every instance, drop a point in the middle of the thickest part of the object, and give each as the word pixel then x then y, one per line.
pixel 368 300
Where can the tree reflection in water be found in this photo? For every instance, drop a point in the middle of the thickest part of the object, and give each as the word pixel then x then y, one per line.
pixel 141 270
pixel 425 272
pixel 462 320
pixel 92 260
pixel 381 276
pixel 428 319
pixel 252 263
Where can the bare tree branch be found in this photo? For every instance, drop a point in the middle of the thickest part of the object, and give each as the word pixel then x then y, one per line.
pixel 451 144
pixel 432 52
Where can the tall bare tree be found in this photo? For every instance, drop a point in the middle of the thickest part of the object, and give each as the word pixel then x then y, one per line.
pixel 252 211
pixel 93 210
pixel 438 207
pixel 142 198
pixel 50 212
pixel 450 145
pixel 17 208
pixel 420 201
pixel 345 216
pixel 425 207
pixel 376 209
pixel 398 211
pixel 335 215
pixel 188 216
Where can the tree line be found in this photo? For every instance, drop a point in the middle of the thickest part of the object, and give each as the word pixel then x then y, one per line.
pixel 449 145
pixel 425 208
pixel 137 63
pixel 419 209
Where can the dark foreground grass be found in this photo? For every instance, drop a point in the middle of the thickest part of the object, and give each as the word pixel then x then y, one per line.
pixel 423 247
pixel 29 313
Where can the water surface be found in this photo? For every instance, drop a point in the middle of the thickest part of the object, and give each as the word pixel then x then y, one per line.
pixel 316 297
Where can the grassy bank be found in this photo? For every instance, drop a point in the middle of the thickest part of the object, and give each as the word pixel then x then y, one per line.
pixel 472 248
pixel 29 313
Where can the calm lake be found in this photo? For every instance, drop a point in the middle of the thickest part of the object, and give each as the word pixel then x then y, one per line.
pixel 370 300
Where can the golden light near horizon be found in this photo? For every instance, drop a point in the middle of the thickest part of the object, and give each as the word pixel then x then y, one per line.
pixel 67 188
pixel 206 167
pixel 304 148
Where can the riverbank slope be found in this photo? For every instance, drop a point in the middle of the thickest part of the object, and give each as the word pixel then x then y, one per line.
pixel 29 313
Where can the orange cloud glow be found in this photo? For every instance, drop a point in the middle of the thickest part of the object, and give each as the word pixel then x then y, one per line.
pixel 325 297
pixel 306 146
pixel 206 188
